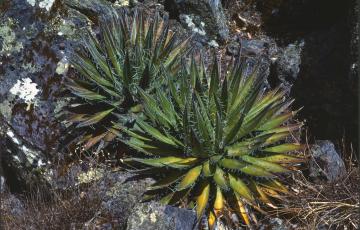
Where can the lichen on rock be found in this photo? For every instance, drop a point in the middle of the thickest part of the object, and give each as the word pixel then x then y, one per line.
pixel 9 42
pixel 26 90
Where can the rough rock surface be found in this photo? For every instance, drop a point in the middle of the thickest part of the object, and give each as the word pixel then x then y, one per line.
pixel 12 205
pixel 326 162
pixel 149 216
pixel 119 194
pixel 23 166
pixel 33 48
pixel 210 13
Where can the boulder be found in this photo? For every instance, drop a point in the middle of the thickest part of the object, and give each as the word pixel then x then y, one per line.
pixel 152 215
pixel 326 162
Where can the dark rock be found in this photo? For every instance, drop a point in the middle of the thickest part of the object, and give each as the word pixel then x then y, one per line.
pixel 211 14
pixel 91 8
pixel 24 167
pixel 149 216
pixel 326 162
pixel 233 48
pixel 30 83
pixel 327 84
pixel 254 47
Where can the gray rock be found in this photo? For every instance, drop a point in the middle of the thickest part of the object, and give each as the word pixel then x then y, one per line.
pixel 288 63
pixel 119 194
pixel 149 216
pixel 275 224
pixel 2 184
pixel 326 162
pixel 210 11
pixel 11 206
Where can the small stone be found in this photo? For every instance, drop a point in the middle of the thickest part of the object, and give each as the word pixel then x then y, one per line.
pixel 62 46
pixel 233 48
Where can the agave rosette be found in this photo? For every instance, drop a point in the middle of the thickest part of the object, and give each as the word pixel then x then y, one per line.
pixel 219 144
pixel 124 55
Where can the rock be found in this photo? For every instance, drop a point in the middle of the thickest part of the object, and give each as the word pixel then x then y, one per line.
pixel 24 167
pixel 276 224
pixel 210 13
pixel 11 207
pixel 2 183
pixel 119 194
pixel 220 225
pixel 327 84
pixel 288 63
pixel 326 162
pixel 91 8
pixel 149 216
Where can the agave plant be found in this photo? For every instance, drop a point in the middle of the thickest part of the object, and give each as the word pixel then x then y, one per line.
pixel 124 56
pixel 217 142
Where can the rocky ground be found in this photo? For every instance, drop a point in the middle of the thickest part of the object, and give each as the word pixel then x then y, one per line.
pixel 308 47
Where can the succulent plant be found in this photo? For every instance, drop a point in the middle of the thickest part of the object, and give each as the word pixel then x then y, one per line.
pixel 125 55
pixel 217 141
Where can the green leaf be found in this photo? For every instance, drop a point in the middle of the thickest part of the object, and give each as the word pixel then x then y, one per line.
pixel 190 178
pixel 284 148
pixel 240 188
pixel 268 166
pixel 282 158
pixel 220 177
pixel 219 200
pixel 174 162
pixel 85 93
pixel 231 164
pixel 224 96
pixel 215 77
pixel 208 169
pixel 167 181
pixel 202 199
pixel 156 133
pixel 276 121
pixel 93 119
pixel 233 126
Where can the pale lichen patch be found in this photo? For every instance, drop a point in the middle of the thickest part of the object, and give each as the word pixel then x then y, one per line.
pixel 191 25
pixel 62 66
pixel 31 2
pixel 93 174
pixel 153 217
pixel 47 4
pixel 26 90
pixel 121 3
